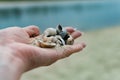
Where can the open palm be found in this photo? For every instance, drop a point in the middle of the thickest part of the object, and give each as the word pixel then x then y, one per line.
pixel 18 40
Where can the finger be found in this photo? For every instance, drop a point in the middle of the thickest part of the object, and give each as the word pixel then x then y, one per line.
pixel 70 29
pixel 76 34
pixel 32 30
pixel 68 50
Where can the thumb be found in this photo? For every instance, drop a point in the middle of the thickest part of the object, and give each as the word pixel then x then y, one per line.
pixel 70 49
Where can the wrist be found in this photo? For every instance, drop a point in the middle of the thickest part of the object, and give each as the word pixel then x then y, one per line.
pixel 11 67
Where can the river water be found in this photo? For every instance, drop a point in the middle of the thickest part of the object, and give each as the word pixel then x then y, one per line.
pixel 83 15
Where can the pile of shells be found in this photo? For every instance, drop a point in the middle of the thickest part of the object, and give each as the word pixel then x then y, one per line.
pixel 53 37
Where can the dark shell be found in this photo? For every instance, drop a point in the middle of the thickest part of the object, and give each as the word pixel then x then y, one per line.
pixel 62 32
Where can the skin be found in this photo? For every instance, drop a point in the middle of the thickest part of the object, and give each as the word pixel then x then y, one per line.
pixel 17 56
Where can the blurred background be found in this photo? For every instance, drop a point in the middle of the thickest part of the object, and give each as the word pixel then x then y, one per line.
pixel 100 22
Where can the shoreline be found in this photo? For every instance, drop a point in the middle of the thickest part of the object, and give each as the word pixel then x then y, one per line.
pixel 43 3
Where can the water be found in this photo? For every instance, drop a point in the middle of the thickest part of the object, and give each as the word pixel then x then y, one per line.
pixel 83 15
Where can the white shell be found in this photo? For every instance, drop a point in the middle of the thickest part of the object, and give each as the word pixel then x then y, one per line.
pixel 50 31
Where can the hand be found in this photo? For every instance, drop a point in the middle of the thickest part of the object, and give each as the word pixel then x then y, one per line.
pixel 15 41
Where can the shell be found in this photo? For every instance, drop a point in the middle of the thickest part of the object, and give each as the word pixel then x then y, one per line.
pixel 50 32
pixel 46 44
pixel 53 37
pixel 42 44
pixel 70 40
